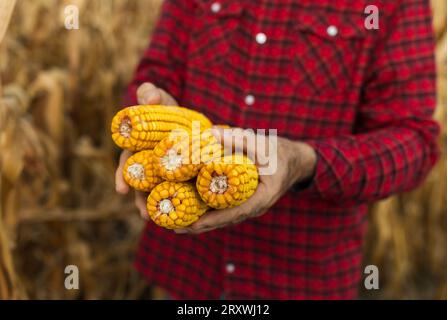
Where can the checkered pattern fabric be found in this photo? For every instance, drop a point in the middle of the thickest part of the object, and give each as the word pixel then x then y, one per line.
pixel 362 98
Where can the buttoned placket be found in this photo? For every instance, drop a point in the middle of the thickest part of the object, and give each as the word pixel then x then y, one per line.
pixel 260 39
pixel 229 267
pixel 249 99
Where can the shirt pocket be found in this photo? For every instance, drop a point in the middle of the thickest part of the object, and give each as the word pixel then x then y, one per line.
pixel 326 47
pixel 213 31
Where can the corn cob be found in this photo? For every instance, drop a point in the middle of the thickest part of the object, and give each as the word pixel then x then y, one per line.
pixel 139 171
pixel 210 148
pixel 175 205
pixel 227 183
pixel 222 126
pixel 142 127
pixel 180 155
pixel 175 158
pixel 205 123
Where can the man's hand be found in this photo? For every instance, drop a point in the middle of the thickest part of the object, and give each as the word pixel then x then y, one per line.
pixel 147 93
pixel 295 162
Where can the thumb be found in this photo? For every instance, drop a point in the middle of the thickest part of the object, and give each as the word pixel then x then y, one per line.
pixel 120 184
pixel 148 93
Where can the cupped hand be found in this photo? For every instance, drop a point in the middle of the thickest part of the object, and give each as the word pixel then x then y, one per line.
pixel 295 161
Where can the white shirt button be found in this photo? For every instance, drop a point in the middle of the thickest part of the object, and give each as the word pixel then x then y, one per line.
pixel 215 7
pixel 332 31
pixel 230 268
pixel 261 38
pixel 249 100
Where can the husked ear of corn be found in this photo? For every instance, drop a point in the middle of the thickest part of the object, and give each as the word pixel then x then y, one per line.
pixel 228 182
pixel 205 123
pixel 222 126
pixel 210 148
pixel 139 171
pixel 176 158
pixel 175 205
pixel 142 127
pixel 180 155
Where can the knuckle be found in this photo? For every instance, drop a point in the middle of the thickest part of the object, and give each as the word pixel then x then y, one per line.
pixel 240 217
pixel 237 213
pixel 144 87
pixel 196 227
pixel 198 231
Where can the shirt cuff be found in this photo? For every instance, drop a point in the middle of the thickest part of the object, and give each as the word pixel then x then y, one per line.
pixel 325 176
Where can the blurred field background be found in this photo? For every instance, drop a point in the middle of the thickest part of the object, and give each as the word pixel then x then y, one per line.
pixel 58 92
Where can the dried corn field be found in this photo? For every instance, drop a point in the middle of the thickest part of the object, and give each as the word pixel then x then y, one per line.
pixel 59 89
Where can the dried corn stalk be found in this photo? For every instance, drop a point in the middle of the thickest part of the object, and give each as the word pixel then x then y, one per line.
pixel 59 156
pixel 10 287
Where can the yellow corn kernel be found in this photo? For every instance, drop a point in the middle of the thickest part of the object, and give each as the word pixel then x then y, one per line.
pixel 139 173
pixel 228 183
pixel 210 148
pixel 142 127
pixel 177 204
pixel 173 160
pixel 205 123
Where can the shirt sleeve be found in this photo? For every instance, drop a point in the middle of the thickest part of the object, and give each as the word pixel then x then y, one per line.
pixel 394 144
pixel 164 61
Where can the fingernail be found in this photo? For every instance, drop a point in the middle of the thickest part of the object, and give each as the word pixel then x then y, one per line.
pixel 147 98
pixel 150 97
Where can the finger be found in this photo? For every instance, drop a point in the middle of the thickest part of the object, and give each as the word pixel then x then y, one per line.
pixel 190 231
pixel 140 203
pixel 120 184
pixel 148 93
pixel 167 99
pixel 217 219
pixel 253 207
pixel 237 139
pixel 200 231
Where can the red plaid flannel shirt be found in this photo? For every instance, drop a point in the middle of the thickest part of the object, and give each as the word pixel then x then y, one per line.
pixel 363 98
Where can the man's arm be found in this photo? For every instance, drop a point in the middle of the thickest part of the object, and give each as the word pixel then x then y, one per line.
pixel 164 61
pixel 396 141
